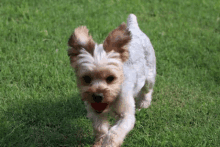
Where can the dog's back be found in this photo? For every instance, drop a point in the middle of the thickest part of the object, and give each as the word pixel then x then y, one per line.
pixel 141 65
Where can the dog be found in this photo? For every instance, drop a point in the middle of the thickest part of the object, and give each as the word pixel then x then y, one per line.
pixel 113 77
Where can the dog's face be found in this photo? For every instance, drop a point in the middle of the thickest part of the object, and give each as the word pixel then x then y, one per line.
pixel 99 68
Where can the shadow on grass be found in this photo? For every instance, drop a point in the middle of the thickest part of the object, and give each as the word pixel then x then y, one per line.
pixel 46 123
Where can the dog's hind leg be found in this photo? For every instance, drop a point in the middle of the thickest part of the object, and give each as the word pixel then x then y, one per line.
pixel 145 95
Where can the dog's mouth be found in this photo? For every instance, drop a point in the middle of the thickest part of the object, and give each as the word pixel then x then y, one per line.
pixel 99 107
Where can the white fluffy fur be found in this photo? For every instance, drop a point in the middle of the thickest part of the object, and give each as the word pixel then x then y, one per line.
pixel 88 63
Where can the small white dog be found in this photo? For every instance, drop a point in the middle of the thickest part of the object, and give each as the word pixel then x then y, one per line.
pixel 111 75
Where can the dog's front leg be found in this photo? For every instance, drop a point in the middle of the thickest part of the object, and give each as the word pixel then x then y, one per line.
pixel 125 108
pixel 100 125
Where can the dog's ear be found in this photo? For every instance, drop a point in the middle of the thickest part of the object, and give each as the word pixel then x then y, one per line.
pixel 78 40
pixel 118 41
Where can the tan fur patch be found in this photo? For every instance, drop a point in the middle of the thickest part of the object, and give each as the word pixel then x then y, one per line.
pixel 109 90
pixel 118 40
pixel 78 40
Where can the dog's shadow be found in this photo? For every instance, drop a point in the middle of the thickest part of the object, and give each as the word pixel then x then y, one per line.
pixel 46 123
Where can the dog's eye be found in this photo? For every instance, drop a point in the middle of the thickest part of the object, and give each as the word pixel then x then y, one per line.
pixel 87 79
pixel 109 79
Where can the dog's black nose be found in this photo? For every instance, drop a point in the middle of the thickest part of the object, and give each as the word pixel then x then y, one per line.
pixel 97 97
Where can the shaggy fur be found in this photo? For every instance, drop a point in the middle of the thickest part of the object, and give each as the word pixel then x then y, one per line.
pixel 111 75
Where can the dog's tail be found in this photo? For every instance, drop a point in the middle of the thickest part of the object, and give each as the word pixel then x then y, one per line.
pixel 132 21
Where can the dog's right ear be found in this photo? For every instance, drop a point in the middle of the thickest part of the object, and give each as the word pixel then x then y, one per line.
pixel 78 40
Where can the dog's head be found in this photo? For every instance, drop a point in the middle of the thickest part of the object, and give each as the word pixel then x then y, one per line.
pixel 99 68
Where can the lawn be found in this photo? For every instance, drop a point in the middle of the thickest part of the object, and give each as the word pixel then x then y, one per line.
pixel 39 101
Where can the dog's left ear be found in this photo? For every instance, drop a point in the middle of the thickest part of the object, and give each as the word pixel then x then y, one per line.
pixel 118 41
pixel 80 39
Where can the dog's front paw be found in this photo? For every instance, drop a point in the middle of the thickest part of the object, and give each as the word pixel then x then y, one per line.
pixel 99 141
pixel 98 144
pixel 112 140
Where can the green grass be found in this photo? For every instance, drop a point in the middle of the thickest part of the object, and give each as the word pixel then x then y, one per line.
pixel 39 101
